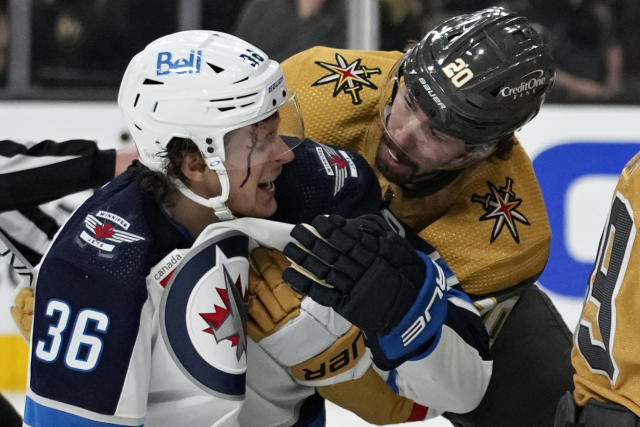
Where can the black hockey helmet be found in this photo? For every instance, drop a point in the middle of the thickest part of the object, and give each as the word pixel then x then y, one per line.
pixel 479 76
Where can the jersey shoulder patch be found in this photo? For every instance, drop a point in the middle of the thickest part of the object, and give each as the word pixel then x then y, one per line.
pixel 203 314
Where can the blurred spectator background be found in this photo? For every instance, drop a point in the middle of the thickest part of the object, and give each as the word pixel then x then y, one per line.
pixel 78 49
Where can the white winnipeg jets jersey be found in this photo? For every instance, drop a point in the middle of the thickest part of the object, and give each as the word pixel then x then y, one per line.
pixel 100 355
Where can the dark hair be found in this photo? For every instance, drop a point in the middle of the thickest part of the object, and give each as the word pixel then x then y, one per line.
pixel 160 184
pixel 504 147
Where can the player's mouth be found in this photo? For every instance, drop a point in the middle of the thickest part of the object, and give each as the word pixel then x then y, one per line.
pixel 392 155
pixel 268 184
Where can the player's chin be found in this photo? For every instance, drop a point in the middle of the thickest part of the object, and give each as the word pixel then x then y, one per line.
pixel 265 206
pixel 258 205
pixel 392 170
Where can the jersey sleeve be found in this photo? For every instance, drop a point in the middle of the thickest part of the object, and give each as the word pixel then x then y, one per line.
pixel 90 354
pixel 453 374
pixel 606 341
pixel 41 172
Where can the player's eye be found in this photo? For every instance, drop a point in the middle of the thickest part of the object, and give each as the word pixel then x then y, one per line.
pixel 437 135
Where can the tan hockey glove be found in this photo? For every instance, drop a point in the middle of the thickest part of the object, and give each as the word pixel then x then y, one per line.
pixel 318 346
pixel 272 302
pixel 22 311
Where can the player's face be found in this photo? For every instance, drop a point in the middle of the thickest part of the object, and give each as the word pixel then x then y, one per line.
pixel 411 146
pixel 255 156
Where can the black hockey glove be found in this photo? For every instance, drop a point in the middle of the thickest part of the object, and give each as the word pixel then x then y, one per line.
pixel 360 267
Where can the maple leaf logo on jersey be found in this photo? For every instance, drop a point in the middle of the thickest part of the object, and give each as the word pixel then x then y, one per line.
pixel 204 299
pixel 500 205
pixel 221 326
pixel 348 78
pixel 338 161
pixel 102 232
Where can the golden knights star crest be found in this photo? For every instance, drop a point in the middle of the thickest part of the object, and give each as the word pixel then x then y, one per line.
pixel 500 205
pixel 347 77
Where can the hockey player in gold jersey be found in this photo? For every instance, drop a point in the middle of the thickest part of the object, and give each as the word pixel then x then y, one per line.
pixel 438 124
pixel 606 342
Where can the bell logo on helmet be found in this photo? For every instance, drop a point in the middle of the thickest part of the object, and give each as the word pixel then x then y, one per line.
pixel 432 94
pixel 165 65
pixel 528 84
pixel 458 72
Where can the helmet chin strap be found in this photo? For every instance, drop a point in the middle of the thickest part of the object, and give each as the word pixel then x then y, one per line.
pixel 216 203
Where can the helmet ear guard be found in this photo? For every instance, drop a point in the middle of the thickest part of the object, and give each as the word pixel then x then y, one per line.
pixel 480 76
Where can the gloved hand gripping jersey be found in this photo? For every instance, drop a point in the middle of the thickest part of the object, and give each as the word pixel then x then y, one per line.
pixel 22 311
pixel 375 279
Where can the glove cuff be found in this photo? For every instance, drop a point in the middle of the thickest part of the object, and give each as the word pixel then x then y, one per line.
pixel 419 330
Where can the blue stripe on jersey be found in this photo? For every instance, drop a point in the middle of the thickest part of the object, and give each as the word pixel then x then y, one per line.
pixel 459 293
pixel 39 415
pixel 391 381
pixel 321 421
pixel 312 412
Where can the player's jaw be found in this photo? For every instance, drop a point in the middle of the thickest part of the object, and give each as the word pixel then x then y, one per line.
pixel 394 163
pixel 253 195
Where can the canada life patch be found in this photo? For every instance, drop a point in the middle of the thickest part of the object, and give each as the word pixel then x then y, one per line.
pixel 203 314
pixel 106 230
pixel 161 273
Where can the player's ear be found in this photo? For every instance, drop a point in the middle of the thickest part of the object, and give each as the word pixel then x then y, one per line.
pixel 193 167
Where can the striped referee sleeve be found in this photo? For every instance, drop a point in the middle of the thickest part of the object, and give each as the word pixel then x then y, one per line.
pixel 35 173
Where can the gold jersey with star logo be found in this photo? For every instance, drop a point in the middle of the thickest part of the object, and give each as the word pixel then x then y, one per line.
pixel 489 223
pixel 606 341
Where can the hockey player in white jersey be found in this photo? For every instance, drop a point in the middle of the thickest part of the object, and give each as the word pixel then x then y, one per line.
pixel 202 108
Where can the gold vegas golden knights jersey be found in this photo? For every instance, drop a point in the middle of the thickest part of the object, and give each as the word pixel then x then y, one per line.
pixel 489 224
pixel 607 342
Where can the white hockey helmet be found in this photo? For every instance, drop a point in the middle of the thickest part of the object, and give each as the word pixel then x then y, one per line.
pixel 201 85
